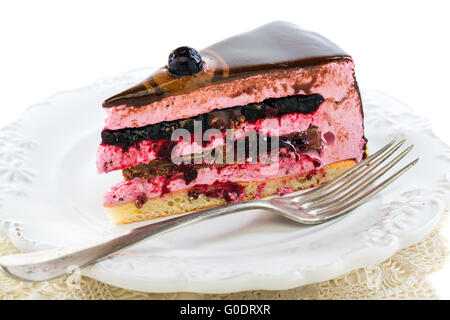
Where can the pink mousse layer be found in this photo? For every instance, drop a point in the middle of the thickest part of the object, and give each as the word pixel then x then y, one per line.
pixel 342 119
pixel 331 80
pixel 127 191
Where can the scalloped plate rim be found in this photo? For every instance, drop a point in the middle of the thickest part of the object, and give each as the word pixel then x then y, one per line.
pixel 293 278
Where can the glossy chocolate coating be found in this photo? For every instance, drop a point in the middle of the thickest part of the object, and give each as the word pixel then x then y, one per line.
pixel 275 46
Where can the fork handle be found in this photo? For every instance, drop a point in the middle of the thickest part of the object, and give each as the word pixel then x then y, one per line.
pixel 50 264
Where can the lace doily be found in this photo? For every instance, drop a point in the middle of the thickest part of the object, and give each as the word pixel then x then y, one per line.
pixel 403 276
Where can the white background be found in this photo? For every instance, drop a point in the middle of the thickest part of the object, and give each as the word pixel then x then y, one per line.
pixel 399 47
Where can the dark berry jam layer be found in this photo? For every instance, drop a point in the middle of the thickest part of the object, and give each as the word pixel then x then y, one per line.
pixel 295 143
pixel 217 119
pixel 228 191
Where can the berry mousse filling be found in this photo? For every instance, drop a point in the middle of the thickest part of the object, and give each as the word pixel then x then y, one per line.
pixel 228 191
pixel 230 118
pixel 340 123
pixel 188 177
pixel 293 144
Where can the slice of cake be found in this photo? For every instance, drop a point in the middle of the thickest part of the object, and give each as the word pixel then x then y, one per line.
pixel 270 111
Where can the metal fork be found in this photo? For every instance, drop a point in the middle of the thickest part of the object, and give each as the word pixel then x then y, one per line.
pixel 326 202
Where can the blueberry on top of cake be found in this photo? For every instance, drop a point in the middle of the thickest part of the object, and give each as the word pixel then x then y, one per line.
pixel 277 85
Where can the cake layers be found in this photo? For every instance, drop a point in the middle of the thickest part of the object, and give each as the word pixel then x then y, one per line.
pixel 334 82
pixel 340 130
pixel 329 80
pixel 277 83
pixel 338 120
pixel 206 196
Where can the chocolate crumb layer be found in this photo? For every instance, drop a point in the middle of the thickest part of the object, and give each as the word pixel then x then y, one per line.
pixel 296 143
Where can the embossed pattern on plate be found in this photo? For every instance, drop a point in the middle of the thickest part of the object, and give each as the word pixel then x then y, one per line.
pixel 50 195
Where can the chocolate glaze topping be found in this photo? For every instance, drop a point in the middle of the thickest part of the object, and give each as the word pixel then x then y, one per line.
pixel 275 46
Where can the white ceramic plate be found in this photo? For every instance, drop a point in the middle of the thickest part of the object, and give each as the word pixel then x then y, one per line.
pixel 51 195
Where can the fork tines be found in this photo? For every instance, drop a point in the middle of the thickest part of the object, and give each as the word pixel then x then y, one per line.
pixel 351 188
